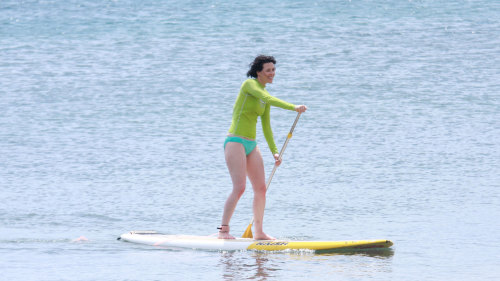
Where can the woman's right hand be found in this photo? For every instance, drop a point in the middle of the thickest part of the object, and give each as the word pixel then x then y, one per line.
pixel 300 108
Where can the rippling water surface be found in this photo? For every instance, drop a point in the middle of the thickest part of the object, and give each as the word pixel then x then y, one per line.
pixel 113 115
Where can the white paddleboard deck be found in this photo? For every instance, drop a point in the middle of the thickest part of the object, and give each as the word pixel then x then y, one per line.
pixel 213 243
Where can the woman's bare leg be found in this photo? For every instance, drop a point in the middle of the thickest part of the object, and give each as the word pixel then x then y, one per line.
pixel 256 174
pixel 236 164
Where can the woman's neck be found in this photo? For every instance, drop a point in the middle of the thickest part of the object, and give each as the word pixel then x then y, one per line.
pixel 262 83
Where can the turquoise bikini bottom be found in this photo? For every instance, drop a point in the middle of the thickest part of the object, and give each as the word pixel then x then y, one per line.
pixel 249 145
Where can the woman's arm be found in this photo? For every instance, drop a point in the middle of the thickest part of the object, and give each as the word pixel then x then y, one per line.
pixel 266 128
pixel 252 87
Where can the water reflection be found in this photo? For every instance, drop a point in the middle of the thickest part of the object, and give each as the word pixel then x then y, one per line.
pixel 247 265
pixel 238 265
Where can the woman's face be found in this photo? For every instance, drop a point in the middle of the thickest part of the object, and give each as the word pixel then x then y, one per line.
pixel 267 74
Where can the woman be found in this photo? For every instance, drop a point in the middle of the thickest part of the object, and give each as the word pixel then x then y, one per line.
pixel 240 148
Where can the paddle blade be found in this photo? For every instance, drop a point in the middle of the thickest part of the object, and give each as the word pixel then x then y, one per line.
pixel 248 232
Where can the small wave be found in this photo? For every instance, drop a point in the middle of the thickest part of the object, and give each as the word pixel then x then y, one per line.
pixel 35 241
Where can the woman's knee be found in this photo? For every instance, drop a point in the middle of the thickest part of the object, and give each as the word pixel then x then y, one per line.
pixel 238 190
pixel 260 190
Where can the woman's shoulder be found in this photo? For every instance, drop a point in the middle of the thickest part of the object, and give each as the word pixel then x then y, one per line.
pixel 249 81
pixel 251 84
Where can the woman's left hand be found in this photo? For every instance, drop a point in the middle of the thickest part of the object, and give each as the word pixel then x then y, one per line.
pixel 277 159
pixel 300 108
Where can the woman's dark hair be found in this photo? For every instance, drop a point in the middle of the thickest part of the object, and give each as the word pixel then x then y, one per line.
pixel 258 64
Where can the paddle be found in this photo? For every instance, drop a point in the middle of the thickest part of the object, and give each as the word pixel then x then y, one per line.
pixel 248 231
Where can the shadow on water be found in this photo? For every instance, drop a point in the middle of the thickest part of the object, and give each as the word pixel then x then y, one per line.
pixel 380 253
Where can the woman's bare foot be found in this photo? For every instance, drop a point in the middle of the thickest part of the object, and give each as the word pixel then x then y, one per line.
pixel 262 236
pixel 224 232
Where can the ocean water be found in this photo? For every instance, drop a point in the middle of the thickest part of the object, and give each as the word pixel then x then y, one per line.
pixel 113 116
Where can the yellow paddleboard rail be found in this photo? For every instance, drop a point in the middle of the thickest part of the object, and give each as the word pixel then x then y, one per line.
pixel 266 245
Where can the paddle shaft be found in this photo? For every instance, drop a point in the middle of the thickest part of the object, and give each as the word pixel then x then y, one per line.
pixel 288 137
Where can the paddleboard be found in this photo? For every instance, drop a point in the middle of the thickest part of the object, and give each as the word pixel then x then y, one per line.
pixel 213 243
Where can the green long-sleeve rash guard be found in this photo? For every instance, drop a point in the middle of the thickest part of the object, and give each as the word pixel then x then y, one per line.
pixel 254 100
